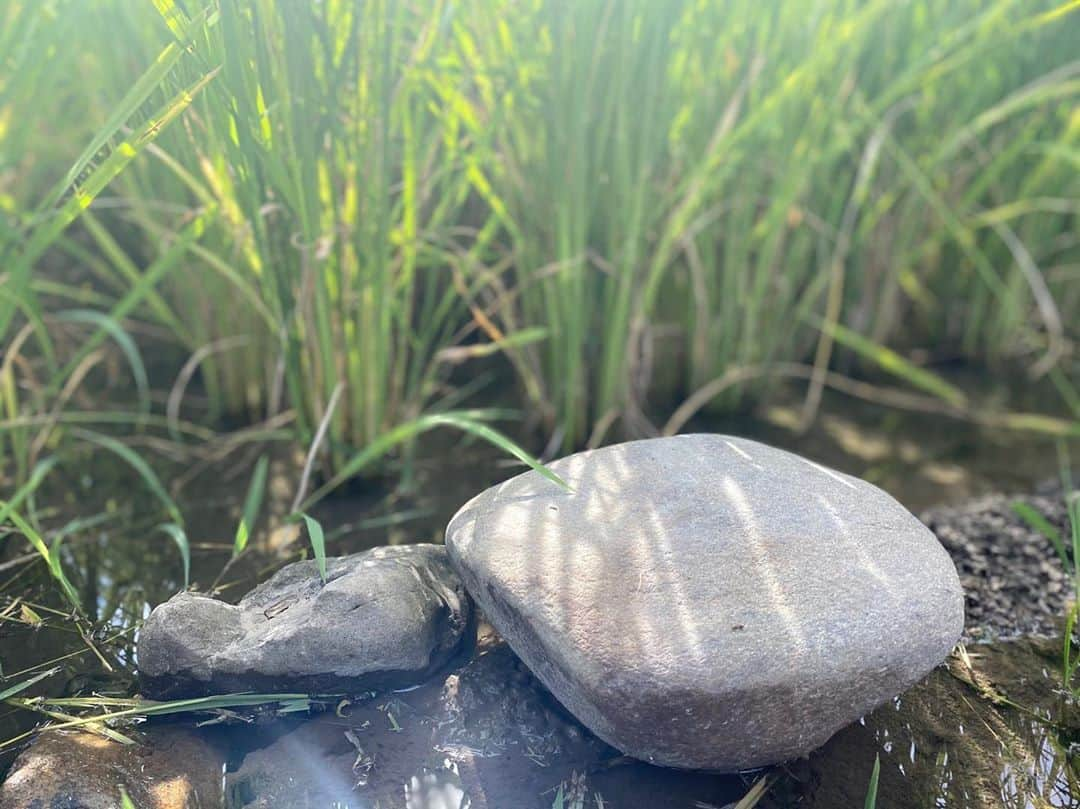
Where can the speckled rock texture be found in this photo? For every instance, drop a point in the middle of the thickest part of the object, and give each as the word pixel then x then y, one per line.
pixel 705 601
pixel 168 768
pixel 385 618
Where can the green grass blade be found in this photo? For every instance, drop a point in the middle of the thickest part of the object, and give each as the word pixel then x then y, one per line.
pixel 143 88
pixel 104 173
pixel 20 687
pixel 125 800
pixel 560 799
pixel 872 787
pixel 891 362
pixel 131 351
pixel 1069 664
pixel 252 502
pixel 50 555
pixel 318 543
pixel 153 275
pixel 180 538
pixel 406 432
pixel 1039 523
pixel 27 489
pixel 1073 504
pixel 132 459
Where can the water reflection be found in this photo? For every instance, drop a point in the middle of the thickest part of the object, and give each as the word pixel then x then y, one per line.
pixel 946 744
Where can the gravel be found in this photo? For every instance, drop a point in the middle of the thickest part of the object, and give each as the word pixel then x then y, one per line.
pixel 1013 580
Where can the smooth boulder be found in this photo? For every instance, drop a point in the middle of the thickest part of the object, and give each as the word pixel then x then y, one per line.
pixel 385 618
pixel 706 601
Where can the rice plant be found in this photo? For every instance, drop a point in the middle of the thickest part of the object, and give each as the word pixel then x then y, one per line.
pixel 622 203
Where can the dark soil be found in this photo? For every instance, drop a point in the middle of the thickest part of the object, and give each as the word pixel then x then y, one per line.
pixel 1014 582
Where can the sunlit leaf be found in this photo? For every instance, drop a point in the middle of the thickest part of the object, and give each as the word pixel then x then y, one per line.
pixel 318 543
pixel 251 506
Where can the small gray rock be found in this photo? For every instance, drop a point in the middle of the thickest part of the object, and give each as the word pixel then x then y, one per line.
pixel 386 618
pixel 706 601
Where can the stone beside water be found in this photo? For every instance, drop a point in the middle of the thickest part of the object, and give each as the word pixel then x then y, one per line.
pixel 385 618
pixel 706 601
pixel 168 768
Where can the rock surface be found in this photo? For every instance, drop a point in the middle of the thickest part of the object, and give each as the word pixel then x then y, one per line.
pixel 170 768
pixel 385 618
pixel 705 601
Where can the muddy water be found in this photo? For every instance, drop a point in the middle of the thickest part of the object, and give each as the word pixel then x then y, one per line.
pixel 951 741
pixel 490 736
pixel 993 730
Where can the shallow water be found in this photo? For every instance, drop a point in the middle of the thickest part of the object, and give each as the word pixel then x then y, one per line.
pixel 945 743
pixel 952 741
pixel 489 736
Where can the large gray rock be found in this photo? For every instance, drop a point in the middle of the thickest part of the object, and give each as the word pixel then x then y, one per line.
pixel 385 618
pixel 705 601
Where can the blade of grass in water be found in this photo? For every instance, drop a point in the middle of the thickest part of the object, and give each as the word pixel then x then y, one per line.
pixel 18 688
pixel 872 787
pixel 27 489
pixel 410 430
pixel 891 362
pixel 1072 500
pixel 179 537
pixel 252 503
pixel 122 339
pixel 755 794
pixel 51 555
pixel 131 709
pixel 141 467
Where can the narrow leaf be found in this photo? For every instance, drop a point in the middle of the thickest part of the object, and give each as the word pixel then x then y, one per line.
pixel 132 459
pixel 891 362
pixel 36 477
pixel 410 430
pixel 20 687
pixel 318 543
pixel 251 506
pixel 1039 523
pixel 131 351
pixel 181 540
pixel 871 788
pixel 50 555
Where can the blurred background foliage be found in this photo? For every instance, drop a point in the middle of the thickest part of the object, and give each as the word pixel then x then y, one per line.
pixel 353 214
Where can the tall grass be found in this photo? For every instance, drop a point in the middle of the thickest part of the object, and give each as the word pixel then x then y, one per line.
pixel 743 176
pixel 625 200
